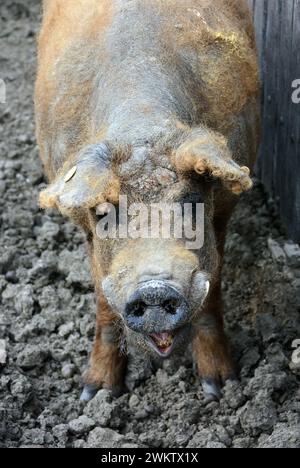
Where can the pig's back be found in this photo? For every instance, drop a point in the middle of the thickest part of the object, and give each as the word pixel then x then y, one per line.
pixel 94 54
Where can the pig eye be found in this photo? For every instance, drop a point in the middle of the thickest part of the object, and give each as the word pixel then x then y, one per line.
pixel 108 212
pixel 102 210
pixel 193 198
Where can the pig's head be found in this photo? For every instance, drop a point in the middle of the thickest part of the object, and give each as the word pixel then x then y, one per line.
pixel 156 287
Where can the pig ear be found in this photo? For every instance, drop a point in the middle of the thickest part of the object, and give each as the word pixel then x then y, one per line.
pixel 207 152
pixel 84 182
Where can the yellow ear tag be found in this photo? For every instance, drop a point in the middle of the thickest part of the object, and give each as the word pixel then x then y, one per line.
pixel 70 174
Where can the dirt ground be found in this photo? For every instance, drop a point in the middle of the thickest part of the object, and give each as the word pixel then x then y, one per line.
pixel 47 313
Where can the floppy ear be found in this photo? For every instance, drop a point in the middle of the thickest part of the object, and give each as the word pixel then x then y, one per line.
pixel 207 152
pixel 83 182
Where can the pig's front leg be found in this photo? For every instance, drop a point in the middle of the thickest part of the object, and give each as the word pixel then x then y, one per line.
pixel 107 364
pixel 211 348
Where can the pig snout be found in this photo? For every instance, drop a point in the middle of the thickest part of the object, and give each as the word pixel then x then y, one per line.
pixel 159 312
pixel 155 307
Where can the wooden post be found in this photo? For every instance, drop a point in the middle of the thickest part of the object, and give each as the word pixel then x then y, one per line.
pixel 277 24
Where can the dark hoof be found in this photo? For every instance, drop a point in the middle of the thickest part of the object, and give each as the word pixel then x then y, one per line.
pixel 89 392
pixel 212 390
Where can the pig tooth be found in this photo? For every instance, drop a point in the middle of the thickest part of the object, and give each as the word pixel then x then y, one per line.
pixel 207 286
pixel 163 339
pixel 211 389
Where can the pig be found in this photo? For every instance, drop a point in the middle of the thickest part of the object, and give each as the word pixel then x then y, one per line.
pixel 157 101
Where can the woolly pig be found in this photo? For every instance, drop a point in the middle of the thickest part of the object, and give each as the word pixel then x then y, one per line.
pixel 157 102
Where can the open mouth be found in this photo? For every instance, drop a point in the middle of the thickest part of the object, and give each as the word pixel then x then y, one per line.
pixel 162 343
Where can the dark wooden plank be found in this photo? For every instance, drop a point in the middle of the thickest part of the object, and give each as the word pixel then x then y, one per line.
pixel 293 155
pixel 285 145
pixel 259 17
pixel 277 25
pixel 270 102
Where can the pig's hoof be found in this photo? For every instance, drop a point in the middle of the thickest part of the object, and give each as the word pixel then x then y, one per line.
pixel 212 390
pixel 89 392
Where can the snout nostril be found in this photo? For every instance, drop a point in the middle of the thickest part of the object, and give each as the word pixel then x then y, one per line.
pixel 137 309
pixel 170 306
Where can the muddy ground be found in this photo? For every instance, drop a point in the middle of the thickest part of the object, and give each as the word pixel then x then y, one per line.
pixel 47 312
